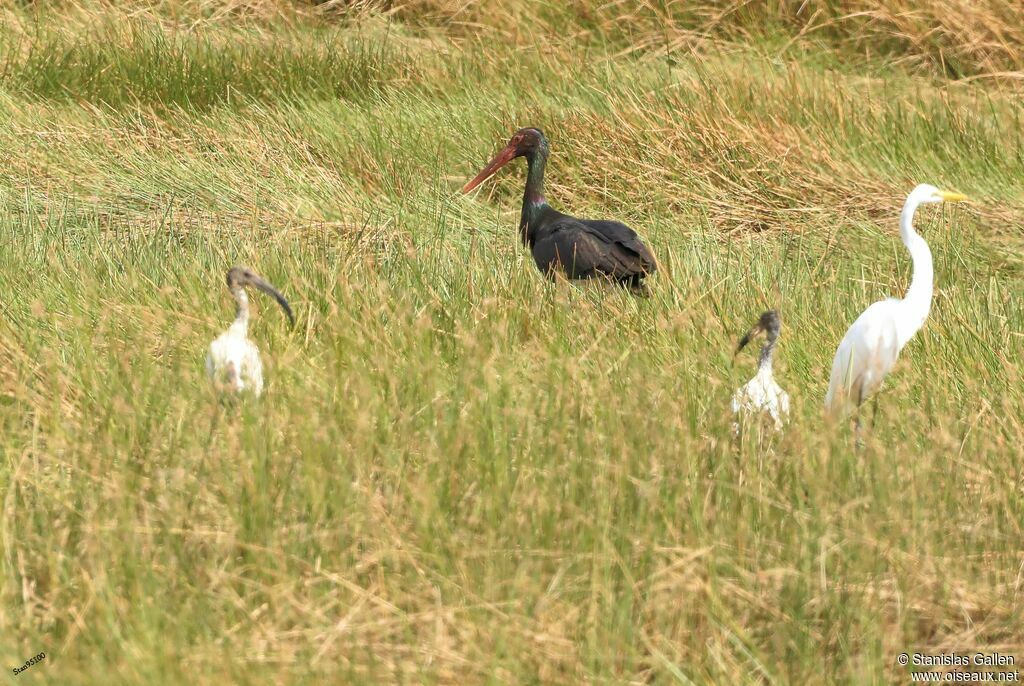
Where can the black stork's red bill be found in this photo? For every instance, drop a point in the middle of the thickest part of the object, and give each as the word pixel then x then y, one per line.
pixel 579 248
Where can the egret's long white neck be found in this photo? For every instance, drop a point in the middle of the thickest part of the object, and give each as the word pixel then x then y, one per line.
pixel 241 323
pixel 918 300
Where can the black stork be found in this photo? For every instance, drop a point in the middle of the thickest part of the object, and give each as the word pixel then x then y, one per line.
pixel 578 248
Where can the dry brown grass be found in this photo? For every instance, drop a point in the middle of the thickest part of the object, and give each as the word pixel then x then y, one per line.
pixel 983 38
pixel 959 38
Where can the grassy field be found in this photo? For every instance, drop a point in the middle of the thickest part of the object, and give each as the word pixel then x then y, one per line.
pixel 460 473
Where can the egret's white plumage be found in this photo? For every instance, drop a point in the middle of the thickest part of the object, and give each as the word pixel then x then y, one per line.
pixel 233 361
pixel 762 395
pixel 872 345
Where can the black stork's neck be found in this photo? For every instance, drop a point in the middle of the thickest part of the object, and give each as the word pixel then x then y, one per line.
pixel 534 202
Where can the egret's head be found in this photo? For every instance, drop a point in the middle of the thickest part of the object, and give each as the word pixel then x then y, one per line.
pixel 524 142
pixel 926 193
pixel 769 322
pixel 240 277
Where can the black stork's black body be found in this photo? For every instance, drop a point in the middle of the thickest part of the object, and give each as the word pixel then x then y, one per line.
pixel 578 248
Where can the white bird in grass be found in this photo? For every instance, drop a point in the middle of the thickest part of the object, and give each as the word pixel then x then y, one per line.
pixel 762 394
pixel 872 344
pixel 233 361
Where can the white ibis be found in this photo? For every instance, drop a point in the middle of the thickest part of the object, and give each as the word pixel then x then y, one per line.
pixel 871 346
pixel 762 395
pixel 577 248
pixel 233 361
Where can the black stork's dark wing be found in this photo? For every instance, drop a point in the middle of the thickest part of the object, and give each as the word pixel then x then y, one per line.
pixel 585 248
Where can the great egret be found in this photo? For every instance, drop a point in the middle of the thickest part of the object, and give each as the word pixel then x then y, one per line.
pixel 233 361
pixel 873 343
pixel 762 394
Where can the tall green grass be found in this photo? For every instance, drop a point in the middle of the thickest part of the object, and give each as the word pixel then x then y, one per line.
pixel 460 472
pixel 130 63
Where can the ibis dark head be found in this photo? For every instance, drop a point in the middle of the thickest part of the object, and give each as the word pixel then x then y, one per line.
pixel 769 322
pixel 524 143
pixel 240 277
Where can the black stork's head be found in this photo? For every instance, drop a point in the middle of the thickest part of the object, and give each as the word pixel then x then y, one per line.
pixel 240 277
pixel 524 143
pixel 769 322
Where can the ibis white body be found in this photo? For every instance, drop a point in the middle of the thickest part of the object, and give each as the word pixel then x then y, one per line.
pixel 233 361
pixel 759 396
pixel 872 344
